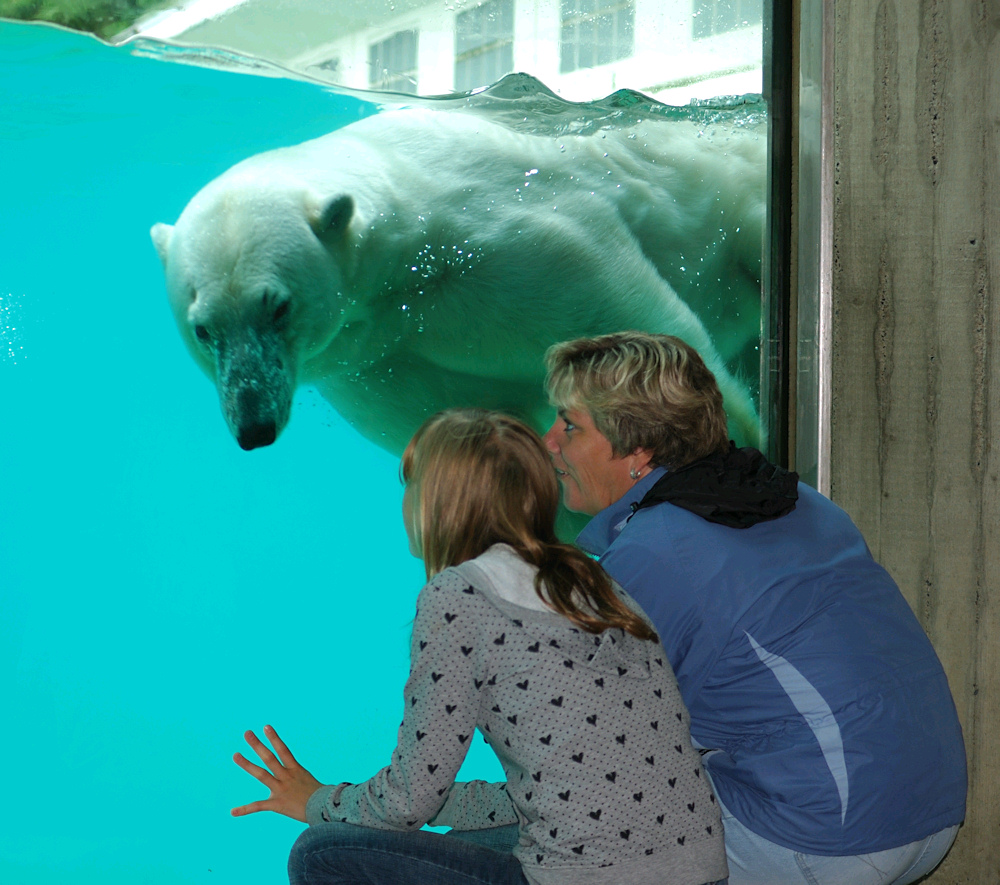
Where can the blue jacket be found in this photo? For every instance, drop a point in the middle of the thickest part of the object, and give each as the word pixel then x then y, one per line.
pixel 802 665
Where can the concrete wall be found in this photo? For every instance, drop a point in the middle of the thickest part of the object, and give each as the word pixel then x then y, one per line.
pixel 916 365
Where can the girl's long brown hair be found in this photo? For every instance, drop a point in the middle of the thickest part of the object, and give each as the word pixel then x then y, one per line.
pixel 480 478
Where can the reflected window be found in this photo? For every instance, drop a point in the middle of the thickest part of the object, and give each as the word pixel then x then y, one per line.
pixel 712 17
pixel 332 65
pixel 595 32
pixel 484 44
pixel 392 63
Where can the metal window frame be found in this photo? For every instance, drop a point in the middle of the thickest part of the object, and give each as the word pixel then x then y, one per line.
pixel 811 407
pixel 776 282
pixel 797 285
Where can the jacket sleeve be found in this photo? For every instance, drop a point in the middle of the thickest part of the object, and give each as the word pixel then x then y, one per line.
pixel 441 698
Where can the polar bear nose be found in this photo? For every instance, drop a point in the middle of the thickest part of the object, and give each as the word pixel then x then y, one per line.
pixel 253 436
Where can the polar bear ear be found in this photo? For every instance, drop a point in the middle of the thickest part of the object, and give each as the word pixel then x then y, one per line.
pixel 162 234
pixel 334 216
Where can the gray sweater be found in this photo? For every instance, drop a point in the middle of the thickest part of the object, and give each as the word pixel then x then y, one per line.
pixel 590 729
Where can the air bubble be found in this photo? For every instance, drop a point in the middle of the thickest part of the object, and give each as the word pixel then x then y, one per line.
pixel 10 329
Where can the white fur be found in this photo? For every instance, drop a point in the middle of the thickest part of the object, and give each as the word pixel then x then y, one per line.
pixel 428 258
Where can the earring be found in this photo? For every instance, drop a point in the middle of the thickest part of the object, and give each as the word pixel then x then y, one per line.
pixel 634 474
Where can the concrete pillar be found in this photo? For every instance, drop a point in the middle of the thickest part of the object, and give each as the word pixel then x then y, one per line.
pixel 915 436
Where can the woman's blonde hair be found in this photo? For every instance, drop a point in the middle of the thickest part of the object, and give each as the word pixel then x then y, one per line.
pixel 480 478
pixel 643 391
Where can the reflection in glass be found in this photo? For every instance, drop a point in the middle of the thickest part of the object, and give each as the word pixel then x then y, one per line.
pixel 484 44
pixel 671 50
pixel 595 32
pixel 713 17
pixel 392 63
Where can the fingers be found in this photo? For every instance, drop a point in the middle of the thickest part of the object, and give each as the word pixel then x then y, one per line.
pixel 252 808
pixel 289 783
pixel 262 774
pixel 278 767
pixel 263 751
pixel 287 759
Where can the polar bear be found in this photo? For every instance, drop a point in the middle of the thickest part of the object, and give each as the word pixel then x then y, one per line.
pixel 421 259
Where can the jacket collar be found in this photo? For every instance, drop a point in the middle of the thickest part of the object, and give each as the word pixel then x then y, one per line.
pixel 603 530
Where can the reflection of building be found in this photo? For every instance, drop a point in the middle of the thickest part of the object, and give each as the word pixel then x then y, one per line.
pixel 582 49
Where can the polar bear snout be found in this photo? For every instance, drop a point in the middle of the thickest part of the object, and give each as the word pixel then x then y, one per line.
pixel 256 413
pixel 255 389
pixel 255 423
pixel 255 435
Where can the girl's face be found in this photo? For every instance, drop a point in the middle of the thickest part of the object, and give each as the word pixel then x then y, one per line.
pixel 409 519
pixel 592 477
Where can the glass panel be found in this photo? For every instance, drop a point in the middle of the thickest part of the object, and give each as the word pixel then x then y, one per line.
pixel 163 589
pixel 392 63
pixel 714 17
pixel 484 44
pixel 597 32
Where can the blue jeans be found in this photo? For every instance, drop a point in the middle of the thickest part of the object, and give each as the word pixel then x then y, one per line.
pixel 345 854
pixel 754 860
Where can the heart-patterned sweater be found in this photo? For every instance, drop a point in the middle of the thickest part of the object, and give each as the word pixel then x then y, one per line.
pixel 590 729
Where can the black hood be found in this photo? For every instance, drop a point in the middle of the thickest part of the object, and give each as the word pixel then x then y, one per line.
pixel 737 488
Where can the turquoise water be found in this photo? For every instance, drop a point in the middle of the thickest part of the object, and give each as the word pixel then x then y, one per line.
pixel 161 590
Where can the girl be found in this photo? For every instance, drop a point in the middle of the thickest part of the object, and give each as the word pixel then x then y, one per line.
pixel 525 639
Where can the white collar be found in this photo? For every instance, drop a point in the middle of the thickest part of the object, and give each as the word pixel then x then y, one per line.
pixel 513 579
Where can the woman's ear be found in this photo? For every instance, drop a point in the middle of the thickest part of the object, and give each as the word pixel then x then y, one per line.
pixel 642 460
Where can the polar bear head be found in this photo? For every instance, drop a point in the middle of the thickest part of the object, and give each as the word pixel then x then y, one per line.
pixel 255 277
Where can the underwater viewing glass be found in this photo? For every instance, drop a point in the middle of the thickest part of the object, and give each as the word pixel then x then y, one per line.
pixel 161 588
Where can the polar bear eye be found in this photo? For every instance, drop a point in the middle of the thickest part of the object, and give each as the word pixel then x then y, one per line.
pixel 281 311
pixel 202 333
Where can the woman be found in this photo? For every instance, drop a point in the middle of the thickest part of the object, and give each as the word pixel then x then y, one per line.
pixel 527 640
pixel 836 751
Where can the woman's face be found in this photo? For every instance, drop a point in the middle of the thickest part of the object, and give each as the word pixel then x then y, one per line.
pixel 592 477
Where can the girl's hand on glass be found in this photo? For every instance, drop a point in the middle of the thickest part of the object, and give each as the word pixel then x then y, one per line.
pixel 290 784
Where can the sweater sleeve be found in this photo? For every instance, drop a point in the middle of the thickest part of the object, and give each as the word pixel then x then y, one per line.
pixel 447 661
pixel 476 805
